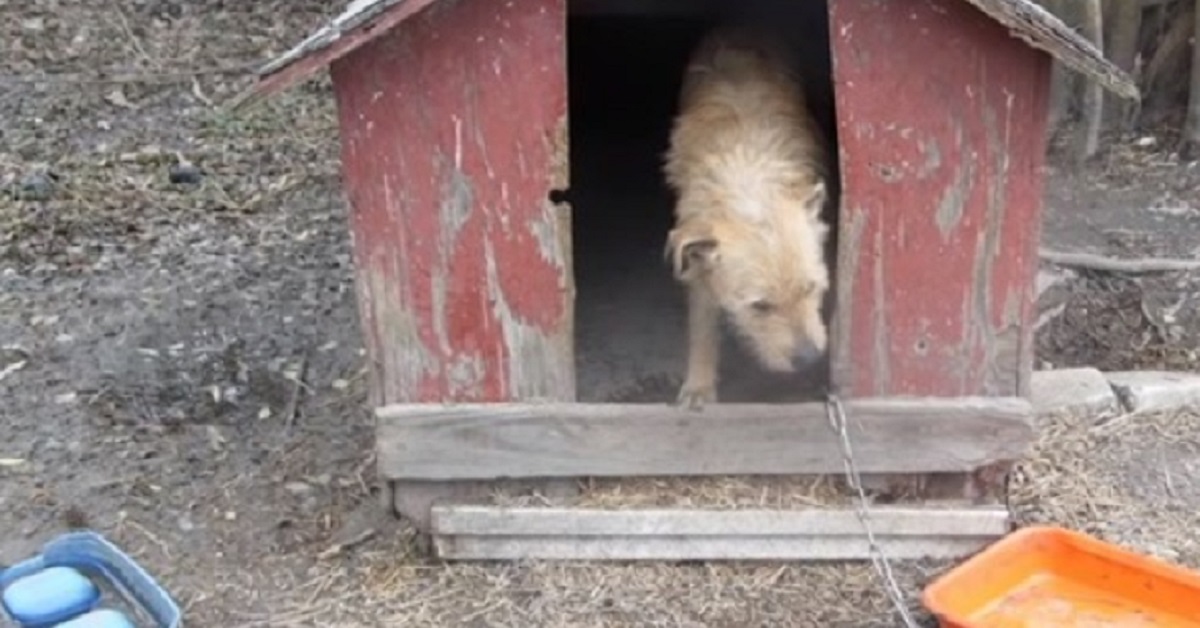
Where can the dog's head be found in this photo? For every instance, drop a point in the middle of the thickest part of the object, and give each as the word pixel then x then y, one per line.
pixel 769 276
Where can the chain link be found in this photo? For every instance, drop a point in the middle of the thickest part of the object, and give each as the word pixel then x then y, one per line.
pixel 837 422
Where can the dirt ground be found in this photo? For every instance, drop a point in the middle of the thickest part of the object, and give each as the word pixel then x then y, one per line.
pixel 165 272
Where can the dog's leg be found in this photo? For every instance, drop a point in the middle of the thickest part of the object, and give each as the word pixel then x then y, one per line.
pixel 700 385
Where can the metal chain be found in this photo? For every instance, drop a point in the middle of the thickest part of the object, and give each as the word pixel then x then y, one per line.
pixel 837 422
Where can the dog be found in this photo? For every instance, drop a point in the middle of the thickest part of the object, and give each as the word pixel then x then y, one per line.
pixel 748 167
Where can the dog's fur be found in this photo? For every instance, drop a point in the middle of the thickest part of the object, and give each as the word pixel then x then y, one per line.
pixel 748 167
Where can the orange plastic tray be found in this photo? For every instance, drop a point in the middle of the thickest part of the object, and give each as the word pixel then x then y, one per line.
pixel 1051 577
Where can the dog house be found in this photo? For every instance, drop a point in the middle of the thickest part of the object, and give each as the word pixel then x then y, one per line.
pixel 502 165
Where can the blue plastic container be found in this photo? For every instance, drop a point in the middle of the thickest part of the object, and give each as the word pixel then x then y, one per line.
pixel 49 596
pixel 101 618
pixel 94 557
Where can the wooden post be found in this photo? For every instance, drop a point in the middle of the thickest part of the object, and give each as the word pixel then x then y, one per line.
pixel 454 131
pixel 1123 26
pixel 941 207
pixel 1093 93
pixel 1062 79
pixel 1192 126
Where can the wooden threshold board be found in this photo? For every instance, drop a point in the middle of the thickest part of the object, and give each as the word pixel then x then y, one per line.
pixel 441 442
pixel 498 533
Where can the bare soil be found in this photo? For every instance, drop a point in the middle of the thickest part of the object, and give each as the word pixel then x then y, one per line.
pixel 168 275
pixel 1137 199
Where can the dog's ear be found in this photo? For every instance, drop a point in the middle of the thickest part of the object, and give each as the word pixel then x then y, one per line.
pixel 814 203
pixel 692 250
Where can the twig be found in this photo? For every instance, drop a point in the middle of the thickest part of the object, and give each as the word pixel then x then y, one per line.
pixel 289 413
pixel 163 547
pixel 11 368
pixel 338 548
pixel 1151 320
pixel 245 99
pixel 1142 266
pixel 1049 315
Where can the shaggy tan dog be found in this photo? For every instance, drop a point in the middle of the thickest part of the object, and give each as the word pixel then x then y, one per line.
pixel 747 165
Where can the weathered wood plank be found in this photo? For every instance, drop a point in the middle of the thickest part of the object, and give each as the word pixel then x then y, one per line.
pixel 512 440
pixel 1034 25
pixel 455 307
pixel 495 533
pixel 942 196
pixel 463 265
pixel 526 521
pixel 941 208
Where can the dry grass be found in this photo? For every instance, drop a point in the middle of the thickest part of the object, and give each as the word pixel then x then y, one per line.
pixel 1134 480
pixel 718 492
pixel 386 588
pixel 1130 479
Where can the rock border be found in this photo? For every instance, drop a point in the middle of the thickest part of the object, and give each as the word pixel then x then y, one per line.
pixel 1091 390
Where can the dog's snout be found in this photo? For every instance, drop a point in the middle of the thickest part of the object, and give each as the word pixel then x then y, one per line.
pixel 806 353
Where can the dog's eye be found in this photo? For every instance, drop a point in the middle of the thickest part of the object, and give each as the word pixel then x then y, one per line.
pixel 763 306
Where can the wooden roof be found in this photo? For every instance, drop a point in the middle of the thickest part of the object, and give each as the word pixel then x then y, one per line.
pixel 1041 29
pixel 363 20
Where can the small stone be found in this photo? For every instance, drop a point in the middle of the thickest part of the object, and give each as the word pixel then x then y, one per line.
pixel 185 524
pixel 1162 552
pixel 1146 391
pixel 38 186
pixel 37 320
pixel 310 505
pixel 230 515
pixel 1072 390
pixel 117 97
pixel 297 488
pixel 185 173
pixel 1048 279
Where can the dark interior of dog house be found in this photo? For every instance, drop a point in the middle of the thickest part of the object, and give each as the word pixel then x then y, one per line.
pixel 625 65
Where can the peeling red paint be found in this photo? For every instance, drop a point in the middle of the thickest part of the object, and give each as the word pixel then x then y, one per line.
pixel 936 249
pixel 443 124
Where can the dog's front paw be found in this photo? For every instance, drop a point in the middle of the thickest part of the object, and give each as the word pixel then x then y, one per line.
pixel 694 397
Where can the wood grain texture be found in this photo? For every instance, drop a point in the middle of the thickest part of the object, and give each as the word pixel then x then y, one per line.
pixel 353 29
pixel 453 131
pixel 1034 25
pixel 486 441
pixel 942 195
pixel 496 533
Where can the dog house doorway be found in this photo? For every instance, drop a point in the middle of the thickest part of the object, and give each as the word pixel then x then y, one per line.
pixel 625 62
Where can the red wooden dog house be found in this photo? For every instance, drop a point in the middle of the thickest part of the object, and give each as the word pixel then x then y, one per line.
pixel 453 119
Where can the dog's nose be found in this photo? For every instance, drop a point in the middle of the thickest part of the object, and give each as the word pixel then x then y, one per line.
pixel 806 353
